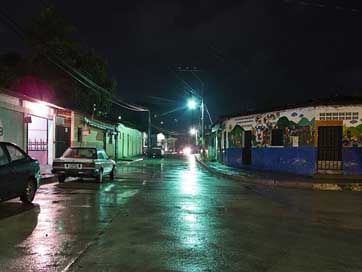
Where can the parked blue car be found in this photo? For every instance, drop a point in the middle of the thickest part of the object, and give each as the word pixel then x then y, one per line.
pixel 19 174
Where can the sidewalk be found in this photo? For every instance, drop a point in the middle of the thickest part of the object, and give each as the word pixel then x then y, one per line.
pixel 329 183
pixel 48 177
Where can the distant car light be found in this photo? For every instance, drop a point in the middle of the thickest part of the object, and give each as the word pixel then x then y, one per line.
pixel 187 150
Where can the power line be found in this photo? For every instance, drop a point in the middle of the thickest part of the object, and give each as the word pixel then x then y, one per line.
pixel 90 84
pixel 172 111
pixel 11 24
pixel 208 113
pixel 322 5
pixel 181 79
pixel 174 133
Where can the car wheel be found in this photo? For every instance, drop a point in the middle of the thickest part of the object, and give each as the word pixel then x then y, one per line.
pixel 61 178
pixel 113 173
pixel 29 192
pixel 100 176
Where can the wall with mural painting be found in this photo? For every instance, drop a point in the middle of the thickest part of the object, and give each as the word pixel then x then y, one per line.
pixel 297 125
pixel 287 140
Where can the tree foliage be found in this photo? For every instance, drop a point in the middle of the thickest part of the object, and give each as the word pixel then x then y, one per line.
pixel 54 54
pixel 8 68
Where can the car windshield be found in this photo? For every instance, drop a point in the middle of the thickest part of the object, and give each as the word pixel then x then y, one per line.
pixel 80 153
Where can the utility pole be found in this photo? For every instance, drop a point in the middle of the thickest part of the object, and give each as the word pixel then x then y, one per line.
pixel 202 109
pixel 149 131
pixel 194 71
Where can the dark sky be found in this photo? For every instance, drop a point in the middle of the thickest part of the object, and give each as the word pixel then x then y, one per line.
pixel 252 53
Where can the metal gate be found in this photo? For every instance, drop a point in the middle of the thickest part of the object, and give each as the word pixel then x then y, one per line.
pixel 247 148
pixel 330 148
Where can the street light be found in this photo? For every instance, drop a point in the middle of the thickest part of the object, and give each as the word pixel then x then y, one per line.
pixel 192 104
pixel 193 131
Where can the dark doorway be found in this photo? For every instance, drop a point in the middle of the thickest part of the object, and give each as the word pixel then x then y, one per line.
pixel 330 148
pixel 247 148
pixel 62 140
pixel 105 140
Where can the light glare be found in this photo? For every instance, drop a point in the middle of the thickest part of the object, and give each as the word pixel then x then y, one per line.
pixel 187 150
pixel 191 104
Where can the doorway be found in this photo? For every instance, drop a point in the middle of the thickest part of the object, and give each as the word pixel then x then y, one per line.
pixel 329 148
pixel 247 148
pixel 62 140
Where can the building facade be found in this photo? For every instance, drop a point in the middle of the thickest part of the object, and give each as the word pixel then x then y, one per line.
pixel 303 140
pixel 119 140
pixel 130 141
pixel 29 124
pixel 45 131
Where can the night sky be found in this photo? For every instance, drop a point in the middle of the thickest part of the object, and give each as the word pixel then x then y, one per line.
pixel 252 53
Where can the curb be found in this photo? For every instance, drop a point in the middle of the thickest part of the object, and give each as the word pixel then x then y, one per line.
pixel 355 187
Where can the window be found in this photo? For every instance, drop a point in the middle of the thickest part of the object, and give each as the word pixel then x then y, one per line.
pixel 105 156
pixel 338 116
pixel 100 156
pixel 80 153
pixel 342 116
pixel 15 153
pixel 277 137
pixel 3 157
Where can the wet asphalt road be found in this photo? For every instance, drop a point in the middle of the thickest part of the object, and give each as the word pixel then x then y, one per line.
pixel 171 215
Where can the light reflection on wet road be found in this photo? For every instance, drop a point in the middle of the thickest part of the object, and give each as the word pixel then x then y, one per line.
pixel 171 215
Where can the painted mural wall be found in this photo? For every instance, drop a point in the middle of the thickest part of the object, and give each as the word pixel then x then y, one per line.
pixel 297 125
pixel 298 129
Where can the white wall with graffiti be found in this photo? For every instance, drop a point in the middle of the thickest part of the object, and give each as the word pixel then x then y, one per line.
pixel 297 125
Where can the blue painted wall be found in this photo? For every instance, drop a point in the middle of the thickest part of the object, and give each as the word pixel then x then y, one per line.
pixel 234 157
pixel 352 161
pixel 298 160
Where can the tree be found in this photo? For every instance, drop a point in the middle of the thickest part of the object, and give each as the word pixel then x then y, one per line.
pixel 8 68
pixel 54 55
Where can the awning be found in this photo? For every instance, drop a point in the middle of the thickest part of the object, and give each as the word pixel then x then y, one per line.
pixel 100 125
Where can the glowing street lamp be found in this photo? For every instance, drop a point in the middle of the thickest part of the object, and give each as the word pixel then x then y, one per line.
pixel 193 131
pixel 192 104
